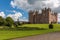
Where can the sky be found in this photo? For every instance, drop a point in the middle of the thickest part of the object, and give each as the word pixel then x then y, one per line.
pixel 6 10
pixel 18 9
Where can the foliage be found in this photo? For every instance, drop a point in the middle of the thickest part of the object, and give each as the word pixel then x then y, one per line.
pixel 2 21
pixel 16 25
pixel 9 21
pixel 50 26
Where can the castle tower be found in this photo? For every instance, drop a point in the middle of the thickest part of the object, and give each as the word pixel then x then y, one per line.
pixel 30 16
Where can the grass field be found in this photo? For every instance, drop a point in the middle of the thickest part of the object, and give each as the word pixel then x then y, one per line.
pixel 7 34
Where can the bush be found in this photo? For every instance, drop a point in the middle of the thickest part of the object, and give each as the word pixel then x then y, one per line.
pixel 9 25
pixel 15 25
pixel 50 26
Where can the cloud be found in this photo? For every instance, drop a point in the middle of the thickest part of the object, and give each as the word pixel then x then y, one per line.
pixel 15 16
pixel 35 4
pixel 24 19
pixel 52 3
pixel 58 17
pixel 2 14
pixel 13 4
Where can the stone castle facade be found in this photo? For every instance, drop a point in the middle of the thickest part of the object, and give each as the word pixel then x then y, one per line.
pixel 46 16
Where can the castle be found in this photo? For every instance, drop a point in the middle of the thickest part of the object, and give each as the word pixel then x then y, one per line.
pixel 46 16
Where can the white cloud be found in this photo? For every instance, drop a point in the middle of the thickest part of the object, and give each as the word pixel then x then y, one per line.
pixel 19 3
pixel 52 3
pixel 58 17
pixel 26 20
pixel 35 4
pixel 2 14
pixel 13 4
pixel 15 16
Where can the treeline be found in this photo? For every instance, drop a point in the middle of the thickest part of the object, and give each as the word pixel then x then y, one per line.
pixel 8 21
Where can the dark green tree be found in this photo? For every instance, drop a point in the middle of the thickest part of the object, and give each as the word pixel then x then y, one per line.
pixel 2 21
pixel 9 21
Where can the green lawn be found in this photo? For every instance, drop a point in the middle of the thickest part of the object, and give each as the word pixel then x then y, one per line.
pixel 7 34
pixel 41 25
pixel 13 34
pixel 36 25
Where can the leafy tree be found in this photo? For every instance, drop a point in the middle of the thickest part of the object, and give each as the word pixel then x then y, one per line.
pixel 2 21
pixel 9 21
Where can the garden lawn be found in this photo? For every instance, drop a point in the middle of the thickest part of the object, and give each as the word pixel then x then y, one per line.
pixel 7 34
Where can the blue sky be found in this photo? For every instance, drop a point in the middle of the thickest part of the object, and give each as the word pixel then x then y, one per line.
pixel 8 10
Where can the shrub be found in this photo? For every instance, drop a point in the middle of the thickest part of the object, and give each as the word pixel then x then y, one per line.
pixel 50 26
pixel 9 25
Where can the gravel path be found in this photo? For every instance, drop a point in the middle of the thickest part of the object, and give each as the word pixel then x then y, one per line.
pixel 49 36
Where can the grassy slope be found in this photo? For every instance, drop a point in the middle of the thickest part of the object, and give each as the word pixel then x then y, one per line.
pixel 36 25
pixel 41 25
pixel 6 34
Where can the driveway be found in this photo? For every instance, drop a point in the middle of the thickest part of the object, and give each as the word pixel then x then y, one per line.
pixel 49 36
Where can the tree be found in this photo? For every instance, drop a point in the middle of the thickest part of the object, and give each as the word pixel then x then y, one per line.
pixel 2 21
pixel 9 21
